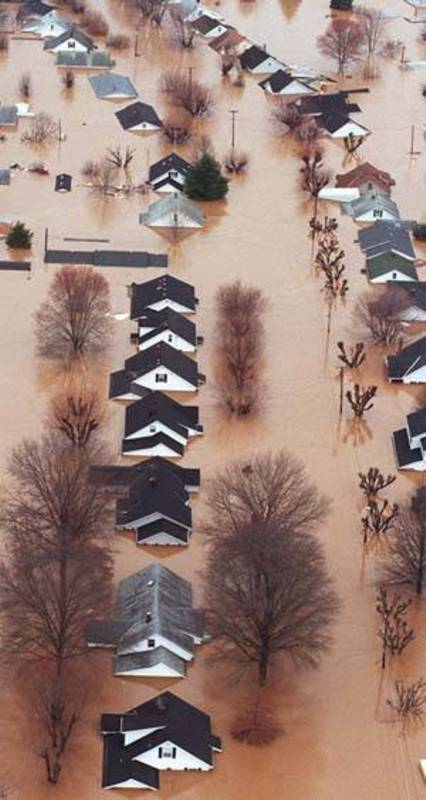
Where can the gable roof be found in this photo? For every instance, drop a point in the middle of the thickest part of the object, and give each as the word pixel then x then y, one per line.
pixel 205 23
pixel 118 766
pixel 253 57
pixel 37 8
pixel 158 406
pixel 162 355
pixel 166 287
pixel 168 499
pixel 416 423
pixel 136 114
pixel 112 83
pixel 164 165
pixel 72 33
pixel 383 236
pixel 371 201
pixel 335 120
pixel 390 262
pixel 326 103
pixel 280 79
pixel 8 115
pixel 415 293
pixel 167 320
pixel 365 172
pixel 408 360
pixel 173 205
pixel 122 477
pixel 230 38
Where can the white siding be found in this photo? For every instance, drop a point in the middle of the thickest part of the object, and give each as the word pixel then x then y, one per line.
pixel 160 641
pixel 129 784
pixel 413 314
pixel 156 671
pixel 167 303
pixel 70 45
pixel 134 736
pixel 349 128
pixel 395 275
pixel 158 427
pixel 170 338
pixel 164 540
pixel 417 376
pixel 373 216
pixel 143 126
pixel 174 382
pixel 182 761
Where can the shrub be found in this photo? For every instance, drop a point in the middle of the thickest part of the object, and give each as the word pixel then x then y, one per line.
pixel 43 129
pixel 191 95
pixel 25 86
pixel 118 41
pixel 19 237
pixel 205 181
pixel 236 162
pixel 68 79
pixel 177 128
pixel 95 23
pixel 4 42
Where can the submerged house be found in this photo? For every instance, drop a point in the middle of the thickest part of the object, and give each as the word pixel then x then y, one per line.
pixel 44 21
pixel 159 367
pixel 119 479
pixel 372 206
pixel 164 292
pixel 139 117
pixel 367 178
pixel 8 116
pixel 162 733
pixel 156 425
pixel 169 173
pixel 390 266
pixel 318 104
pixel 167 326
pixel 94 59
pixel 409 365
pixel 282 82
pixel 71 39
pixel 157 509
pixel 413 301
pixel 338 125
pixel 155 628
pixel 174 211
pixel 386 237
pixel 208 26
pixel 112 86
pixel 410 442
pixel 256 60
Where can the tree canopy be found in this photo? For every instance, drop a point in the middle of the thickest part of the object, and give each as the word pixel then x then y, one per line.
pixel 205 181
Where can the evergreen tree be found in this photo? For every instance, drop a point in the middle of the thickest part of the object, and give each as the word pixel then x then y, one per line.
pixel 205 181
pixel 19 237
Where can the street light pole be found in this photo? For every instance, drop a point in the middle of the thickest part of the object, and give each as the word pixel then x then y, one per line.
pixel 233 113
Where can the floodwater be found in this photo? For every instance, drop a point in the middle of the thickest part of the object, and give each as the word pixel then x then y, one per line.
pixel 338 740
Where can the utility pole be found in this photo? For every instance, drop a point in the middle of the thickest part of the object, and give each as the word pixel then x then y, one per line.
pixel 233 112
pixel 412 151
pixel 190 71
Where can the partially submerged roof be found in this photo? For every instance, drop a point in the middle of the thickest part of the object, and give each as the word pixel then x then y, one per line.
pixel 416 423
pixel 158 406
pixel 166 287
pixel 72 33
pixel 280 79
pixel 162 355
pixel 8 115
pixel 336 120
pixel 407 361
pixel 112 84
pixel 171 162
pixel 372 201
pixel 383 236
pixel 231 38
pixel 95 59
pixel 137 114
pixel 390 262
pixel 167 320
pixel 173 209
pixel 414 293
pixel 326 103
pixel 253 57
pixel 122 477
pixel 363 173
pixel 205 23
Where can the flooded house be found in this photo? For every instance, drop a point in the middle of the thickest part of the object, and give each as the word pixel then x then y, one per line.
pixel 386 237
pixel 164 733
pixel 111 86
pixel 409 364
pixel 155 414
pixel 44 21
pixel 119 478
pixel 155 629
pixel 390 266
pixel 257 61
pixel 174 211
pixel 169 173
pixel 167 326
pixel 93 59
pixel 410 443
pixel 283 83
pixel 8 116
pixel 139 117
pixel 158 367
pixel 372 206
pixel 338 125
pixel 367 178
pixel 167 291
pixel 72 39
pixel 413 300
pixel 157 509
pixel 208 26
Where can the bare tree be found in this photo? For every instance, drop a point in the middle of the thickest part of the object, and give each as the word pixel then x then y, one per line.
pixel 354 356
pixel 395 632
pixel 376 318
pixel 409 700
pixel 74 319
pixel 25 86
pixel 379 519
pixel 287 116
pixel 42 130
pixel 239 337
pixel 77 415
pixel 313 175
pixel 263 489
pixel 268 591
pixel 183 91
pixel 343 41
pixel 406 562
pixel 94 23
pixel 118 159
pixel 360 399
pixel 236 162
pixel 256 724
pixel 152 10
pixel 68 79
pixel 373 482
pixel 181 30
pixel 329 260
pixel 373 24
pixel 58 703
pixel 177 128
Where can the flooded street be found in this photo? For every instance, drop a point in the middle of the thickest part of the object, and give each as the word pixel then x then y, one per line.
pixel 338 744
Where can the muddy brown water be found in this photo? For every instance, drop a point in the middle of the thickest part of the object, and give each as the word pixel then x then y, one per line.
pixel 337 742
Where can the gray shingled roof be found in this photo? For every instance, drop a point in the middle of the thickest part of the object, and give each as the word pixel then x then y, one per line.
pixel 175 204
pixel 371 201
pixel 96 59
pixel 112 84
pixel 8 115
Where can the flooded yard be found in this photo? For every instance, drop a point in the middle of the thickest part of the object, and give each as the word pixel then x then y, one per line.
pixel 338 741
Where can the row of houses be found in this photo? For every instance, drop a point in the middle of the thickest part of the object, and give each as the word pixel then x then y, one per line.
pixel 155 628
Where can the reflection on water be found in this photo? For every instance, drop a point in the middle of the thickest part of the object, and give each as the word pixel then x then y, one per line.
pixel 335 745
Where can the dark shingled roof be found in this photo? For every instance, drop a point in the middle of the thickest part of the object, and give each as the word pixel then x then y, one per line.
pixel 136 114
pixel 252 57
pixel 407 361
pixel 334 120
pixel 160 494
pixel 106 258
pixel 405 455
pixel 416 423
pixel 159 526
pixel 326 103
pixel 390 234
pixel 167 287
pixel 167 320
pixel 162 355
pixel 118 765
pixel 156 406
pixel 72 33
pixel 164 165
pixel 122 477
pixel 414 292
pixel 205 24
pixel 280 79
pixel 149 442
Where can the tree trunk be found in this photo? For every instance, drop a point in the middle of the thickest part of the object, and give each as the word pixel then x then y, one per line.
pixel 263 668
pixel 420 568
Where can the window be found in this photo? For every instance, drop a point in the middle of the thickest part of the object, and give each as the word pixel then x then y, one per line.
pixel 394 276
pixel 160 752
pixel 377 212
pixel 152 428
pixel 170 337
pixel 71 44
pixel 173 173
pixel 370 186
pixel 160 378
pixel 151 642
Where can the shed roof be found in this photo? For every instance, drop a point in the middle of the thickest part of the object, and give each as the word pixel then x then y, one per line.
pixel 8 115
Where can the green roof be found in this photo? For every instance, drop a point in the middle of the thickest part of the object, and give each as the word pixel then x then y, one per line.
pixel 390 262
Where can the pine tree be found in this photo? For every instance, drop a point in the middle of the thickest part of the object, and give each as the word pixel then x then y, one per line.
pixel 205 181
pixel 19 237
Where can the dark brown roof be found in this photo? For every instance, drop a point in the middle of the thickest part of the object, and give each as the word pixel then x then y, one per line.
pixel 365 172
